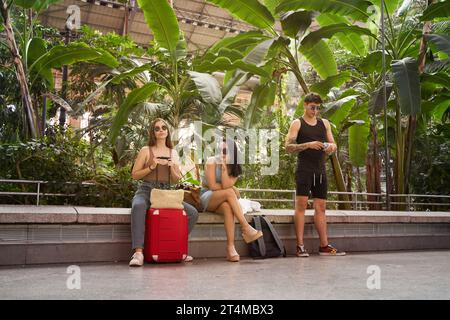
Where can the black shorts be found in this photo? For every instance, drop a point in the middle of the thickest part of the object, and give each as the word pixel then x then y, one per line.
pixel 315 183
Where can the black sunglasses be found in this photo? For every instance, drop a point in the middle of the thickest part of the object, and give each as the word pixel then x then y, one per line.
pixel 157 129
pixel 314 108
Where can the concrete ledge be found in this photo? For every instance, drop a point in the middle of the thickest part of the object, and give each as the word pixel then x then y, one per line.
pixel 66 234
pixel 49 253
pixel 91 215
pixel 103 215
pixel 37 214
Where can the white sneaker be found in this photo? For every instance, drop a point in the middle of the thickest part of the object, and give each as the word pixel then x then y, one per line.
pixel 137 260
pixel 188 259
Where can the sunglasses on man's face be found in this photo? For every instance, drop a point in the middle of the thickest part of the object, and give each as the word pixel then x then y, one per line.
pixel 314 108
pixel 163 128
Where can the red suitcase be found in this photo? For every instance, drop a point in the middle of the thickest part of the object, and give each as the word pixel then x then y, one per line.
pixel 166 235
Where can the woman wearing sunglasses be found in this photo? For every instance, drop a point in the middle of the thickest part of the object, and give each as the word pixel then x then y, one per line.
pixel 218 195
pixel 152 165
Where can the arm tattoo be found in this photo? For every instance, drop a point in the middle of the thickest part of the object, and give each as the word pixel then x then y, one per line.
pixel 292 146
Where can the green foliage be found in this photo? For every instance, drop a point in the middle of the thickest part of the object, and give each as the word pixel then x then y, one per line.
pixel 431 174
pixel 250 11
pixel 163 22
pixel 61 158
pixel 284 179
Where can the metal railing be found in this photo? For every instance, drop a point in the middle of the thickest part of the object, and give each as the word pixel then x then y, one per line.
pixel 357 200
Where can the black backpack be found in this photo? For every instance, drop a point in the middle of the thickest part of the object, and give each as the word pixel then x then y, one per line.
pixel 269 245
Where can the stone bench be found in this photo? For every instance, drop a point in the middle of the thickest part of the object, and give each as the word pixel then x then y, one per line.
pixel 70 234
pixel 11 214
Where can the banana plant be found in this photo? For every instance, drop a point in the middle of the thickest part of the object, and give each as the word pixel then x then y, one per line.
pixel 187 93
pixel 295 40
pixel 19 51
pixel 408 51
pixel 33 59
pixel 406 85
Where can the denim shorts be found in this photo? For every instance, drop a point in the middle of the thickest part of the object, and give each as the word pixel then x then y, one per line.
pixel 205 196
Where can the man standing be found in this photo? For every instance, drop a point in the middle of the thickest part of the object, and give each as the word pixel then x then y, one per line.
pixel 312 139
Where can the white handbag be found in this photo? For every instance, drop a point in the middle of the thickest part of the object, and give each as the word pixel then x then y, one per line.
pixel 167 199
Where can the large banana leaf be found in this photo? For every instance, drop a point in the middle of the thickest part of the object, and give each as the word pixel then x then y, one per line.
pixel 340 110
pixel 355 9
pixel 207 86
pixel 262 96
pixel 239 42
pixel 373 62
pixel 321 58
pixel 162 20
pixel 350 41
pixel 272 5
pixel 134 97
pixel 329 31
pixel 36 48
pixel 358 135
pixel 436 10
pixel 441 41
pixel 106 58
pixel 407 80
pixel 436 107
pixel 442 79
pixel 259 53
pixel 295 22
pixel 441 107
pixel 324 87
pixel 223 63
pixel 250 11
pixel 69 54
pixel 257 57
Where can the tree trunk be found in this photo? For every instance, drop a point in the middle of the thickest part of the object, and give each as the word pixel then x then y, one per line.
pixel 20 71
pixel 400 159
pixel 412 120
pixel 349 172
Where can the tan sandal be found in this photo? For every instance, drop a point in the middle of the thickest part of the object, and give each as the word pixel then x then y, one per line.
pixel 250 234
pixel 234 258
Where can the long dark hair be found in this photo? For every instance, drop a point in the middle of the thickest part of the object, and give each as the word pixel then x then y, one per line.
pixel 234 168
pixel 152 136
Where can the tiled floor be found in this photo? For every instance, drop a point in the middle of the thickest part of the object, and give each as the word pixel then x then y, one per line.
pixel 402 275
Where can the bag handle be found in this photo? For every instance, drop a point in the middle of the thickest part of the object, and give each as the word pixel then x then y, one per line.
pixel 262 245
pixel 275 236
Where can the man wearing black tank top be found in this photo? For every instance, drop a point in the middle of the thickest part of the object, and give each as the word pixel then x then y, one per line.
pixel 311 138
